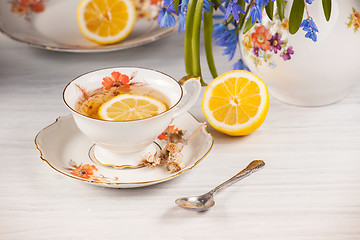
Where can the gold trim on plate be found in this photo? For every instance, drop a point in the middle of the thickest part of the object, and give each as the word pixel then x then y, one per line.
pixel 119 183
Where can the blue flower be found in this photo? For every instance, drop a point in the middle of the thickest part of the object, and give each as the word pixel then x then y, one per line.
pixel 229 39
pixel 309 1
pixel 182 21
pixel 234 9
pixel 260 3
pixel 169 5
pixel 311 35
pixel 184 4
pixel 218 30
pixel 166 19
pixel 222 8
pixel 255 13
pixel 240 65
pixel 206 6
pixel 309 26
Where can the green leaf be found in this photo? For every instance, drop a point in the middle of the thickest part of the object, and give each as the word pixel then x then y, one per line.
pixel 216 2
pixel 243 16
pixel 176 5
pixel 327 8
pixel 208 29
pixel 280 4
pixel 296 15
pixel 270 9
pixel 248 25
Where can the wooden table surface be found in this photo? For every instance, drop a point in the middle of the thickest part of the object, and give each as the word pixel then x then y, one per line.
pixel 309 189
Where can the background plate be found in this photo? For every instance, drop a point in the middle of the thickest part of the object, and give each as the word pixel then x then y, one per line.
pixel 55 27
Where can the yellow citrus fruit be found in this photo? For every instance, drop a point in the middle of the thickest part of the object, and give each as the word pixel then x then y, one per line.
pixel 106 21
pixel 236 103
pixel 126 107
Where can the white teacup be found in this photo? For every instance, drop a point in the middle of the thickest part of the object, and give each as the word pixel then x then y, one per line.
pixel 121 143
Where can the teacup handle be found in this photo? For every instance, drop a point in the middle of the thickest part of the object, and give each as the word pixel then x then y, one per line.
pixel 196 88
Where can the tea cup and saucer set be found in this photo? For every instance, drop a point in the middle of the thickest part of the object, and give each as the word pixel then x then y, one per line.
pixel 111 153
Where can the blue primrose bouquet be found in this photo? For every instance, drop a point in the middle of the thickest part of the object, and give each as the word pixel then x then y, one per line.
pixel 232 16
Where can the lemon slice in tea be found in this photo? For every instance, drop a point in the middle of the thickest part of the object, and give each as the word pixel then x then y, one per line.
pixel 127 107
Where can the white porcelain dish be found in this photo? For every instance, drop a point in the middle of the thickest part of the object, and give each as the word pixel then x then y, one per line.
pixel 66 150
pixel 52 25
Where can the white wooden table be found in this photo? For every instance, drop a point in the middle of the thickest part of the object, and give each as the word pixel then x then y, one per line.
pixel 309 189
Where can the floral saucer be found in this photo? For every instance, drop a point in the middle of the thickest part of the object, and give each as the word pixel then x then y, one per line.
pixel 66 150
pixel 52 25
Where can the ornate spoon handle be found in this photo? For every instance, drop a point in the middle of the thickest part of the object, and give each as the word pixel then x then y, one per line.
pixel 251 168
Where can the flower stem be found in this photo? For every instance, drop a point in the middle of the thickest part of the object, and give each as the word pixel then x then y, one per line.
pixel 193 135
pixel 208 28
pixel 188 36
pixel 308 15
pixel 195 40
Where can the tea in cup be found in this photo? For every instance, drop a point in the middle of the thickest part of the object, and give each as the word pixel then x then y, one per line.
pixel 123 110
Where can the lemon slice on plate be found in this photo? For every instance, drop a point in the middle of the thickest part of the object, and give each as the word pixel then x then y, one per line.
pixel 236 103
pixel 106 21
pixel 126 107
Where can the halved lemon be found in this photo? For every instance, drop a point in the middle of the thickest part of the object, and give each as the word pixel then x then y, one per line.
pixel 126 107
pixel 236 103
pixel 106 21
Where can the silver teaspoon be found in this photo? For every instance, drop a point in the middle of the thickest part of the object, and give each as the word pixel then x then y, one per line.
pixel 206 201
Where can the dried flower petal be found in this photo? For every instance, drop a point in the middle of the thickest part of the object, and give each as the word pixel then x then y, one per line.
pixel 150 160
pixel 177 137
pixel 107 83
pixel 174 167
pixel 116 76
pixel 172 148
pixel 169 130
pixel 124 79
pixel 175 157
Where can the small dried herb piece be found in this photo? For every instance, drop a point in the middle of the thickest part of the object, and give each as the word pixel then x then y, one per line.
pixel 171 155
pixel 150 160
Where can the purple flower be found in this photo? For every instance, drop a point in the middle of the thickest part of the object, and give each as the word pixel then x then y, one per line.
pixel 255 14
pixel 240 65
pixel 234 9
pixel 286 54
pixel 275 43
pixel 256 51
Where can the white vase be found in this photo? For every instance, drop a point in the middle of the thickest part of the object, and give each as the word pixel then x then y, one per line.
pixel 303 72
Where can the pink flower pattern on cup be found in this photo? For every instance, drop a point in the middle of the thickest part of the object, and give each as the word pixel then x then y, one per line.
pixel 262 45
